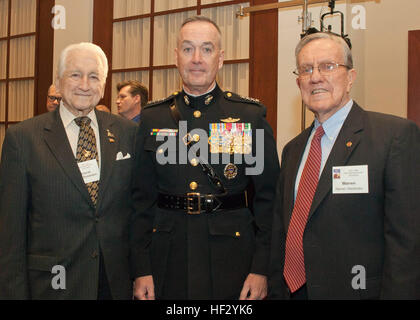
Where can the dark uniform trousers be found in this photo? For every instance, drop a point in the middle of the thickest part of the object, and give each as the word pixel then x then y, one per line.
pixel 206 255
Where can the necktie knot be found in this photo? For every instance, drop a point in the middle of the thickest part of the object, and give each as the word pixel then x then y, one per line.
pixel 319 132
pixel 82 121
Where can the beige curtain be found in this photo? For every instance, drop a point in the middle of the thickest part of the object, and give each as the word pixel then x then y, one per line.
pixel 3 17
pixel 22 60
pixel 128 8
pixel 23 17
pixel 162 5
pixel 21 100
pixel 131 44
pixel 165 82
pixel 3 57
pixel 235 77
pixel 22 57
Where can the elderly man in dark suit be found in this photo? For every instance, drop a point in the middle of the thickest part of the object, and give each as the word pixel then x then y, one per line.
pixel 65 201
pixel 347 216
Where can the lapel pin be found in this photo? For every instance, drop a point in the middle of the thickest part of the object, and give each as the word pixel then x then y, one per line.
pixel 349 144
pixel 111 137
pixel 109 133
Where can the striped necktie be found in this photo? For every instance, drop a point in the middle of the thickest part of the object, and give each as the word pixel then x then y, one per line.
pixel 294 264
pixel 86 150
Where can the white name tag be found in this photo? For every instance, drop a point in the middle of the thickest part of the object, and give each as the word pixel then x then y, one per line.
pixel 89 170
pixel 350 179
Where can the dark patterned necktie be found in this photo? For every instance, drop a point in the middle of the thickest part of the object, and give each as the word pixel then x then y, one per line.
pixel 86 150
pixel 294 264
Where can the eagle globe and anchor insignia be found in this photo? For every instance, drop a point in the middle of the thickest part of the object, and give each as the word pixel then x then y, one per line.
pixel 230 171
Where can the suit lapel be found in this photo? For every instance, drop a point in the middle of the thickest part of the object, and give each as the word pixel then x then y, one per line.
pixel 340 153
pixel 56 138
pixel 109 146
pixel 296 152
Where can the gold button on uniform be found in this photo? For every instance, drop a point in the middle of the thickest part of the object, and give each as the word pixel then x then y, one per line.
pixel 196 137
pixel 229 94
pixel 197 114
pixel 193 185
pixel 194 162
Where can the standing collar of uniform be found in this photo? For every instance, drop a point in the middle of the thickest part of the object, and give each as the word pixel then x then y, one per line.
pixel 67 117
pixel 334 123
pixel 201 100
pixel 197 96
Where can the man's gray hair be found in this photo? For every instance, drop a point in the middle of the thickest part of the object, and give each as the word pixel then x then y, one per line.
pixel 202 19
pixel 348 57
pixel 88 46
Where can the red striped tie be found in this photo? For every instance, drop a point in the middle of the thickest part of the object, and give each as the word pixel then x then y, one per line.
pixel 294 264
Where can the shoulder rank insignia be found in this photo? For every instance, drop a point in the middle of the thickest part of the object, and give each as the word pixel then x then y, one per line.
pixel 157 102
pixel 239 98
pixel 230 120
pixel 250 99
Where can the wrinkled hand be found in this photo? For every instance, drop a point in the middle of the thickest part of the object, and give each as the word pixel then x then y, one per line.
pixel 144 288
pixel 255 287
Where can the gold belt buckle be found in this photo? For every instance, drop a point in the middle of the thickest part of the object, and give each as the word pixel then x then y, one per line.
pixel 190 198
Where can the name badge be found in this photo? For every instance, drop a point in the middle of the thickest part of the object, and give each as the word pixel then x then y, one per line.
pixel 89 170
pixel 350 179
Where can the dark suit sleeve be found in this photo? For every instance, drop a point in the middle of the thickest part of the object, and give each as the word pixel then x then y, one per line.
pixel 265 188
pixel 13 216
pixel 145 196
pixel 401 276
pixel 135 221
pixel 276 288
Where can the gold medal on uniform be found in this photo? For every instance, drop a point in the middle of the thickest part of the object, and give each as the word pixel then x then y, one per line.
pixel 230 171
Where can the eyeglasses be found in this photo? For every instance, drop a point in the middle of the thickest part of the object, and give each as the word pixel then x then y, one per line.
pixel 324 69
pixel 53 98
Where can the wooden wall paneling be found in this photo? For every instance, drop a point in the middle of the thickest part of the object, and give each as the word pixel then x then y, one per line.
pixel 8 64
pixel 151 48
pixel 413 103
pixel 263 59
pixel 44 55
pixel 103 13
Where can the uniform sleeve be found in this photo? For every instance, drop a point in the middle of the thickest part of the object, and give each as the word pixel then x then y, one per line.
pixel 401 276
pixel 13 220
pixel 144 197
pixel 265 189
